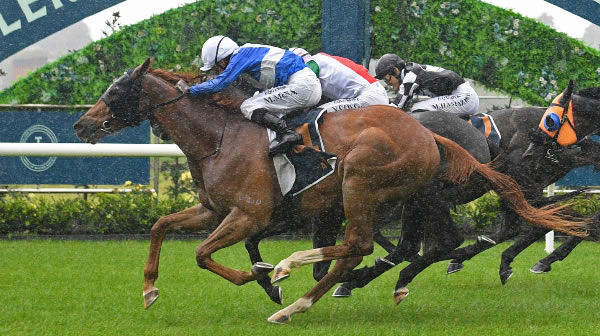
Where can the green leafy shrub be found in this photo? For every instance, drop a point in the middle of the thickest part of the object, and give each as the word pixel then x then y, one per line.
pixel 477 214
pixel 174 39
pixel 106 213
pixel 498 48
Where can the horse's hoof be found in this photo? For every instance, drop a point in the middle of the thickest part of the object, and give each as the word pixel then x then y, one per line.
pixel 342 292
pixel 150 297
pixel 276 295
pixel 400 294
pixel 486 239
pixel 262 268
pixel 279 275
pixel 279 318
pixel 454 267
pixel 505 275
pixel 539 268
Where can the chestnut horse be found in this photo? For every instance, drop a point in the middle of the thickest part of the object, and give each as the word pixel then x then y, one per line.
pixel 384 155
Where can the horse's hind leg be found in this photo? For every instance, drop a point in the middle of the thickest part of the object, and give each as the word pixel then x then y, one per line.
pixel 194 218
pixel 441 236
pixel 408 247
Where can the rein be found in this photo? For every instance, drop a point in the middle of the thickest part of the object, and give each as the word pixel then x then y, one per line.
pixel 129 112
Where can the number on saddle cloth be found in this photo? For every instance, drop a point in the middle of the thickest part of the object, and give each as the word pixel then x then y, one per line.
pixel 309 160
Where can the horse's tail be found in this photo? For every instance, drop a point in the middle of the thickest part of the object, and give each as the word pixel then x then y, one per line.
pixel 461 165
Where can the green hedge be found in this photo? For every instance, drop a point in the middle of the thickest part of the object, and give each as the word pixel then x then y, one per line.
pixel 136 212
pixel 496 47
pixel 130 213
pixel 174 39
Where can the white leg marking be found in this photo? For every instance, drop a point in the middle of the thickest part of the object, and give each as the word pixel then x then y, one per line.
pixel 300 306
pixel 301 258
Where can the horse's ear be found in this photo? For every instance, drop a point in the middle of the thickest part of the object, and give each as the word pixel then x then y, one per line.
pixel 147 65
pixel 566 97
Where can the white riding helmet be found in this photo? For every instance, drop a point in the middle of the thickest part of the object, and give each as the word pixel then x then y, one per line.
pixel 302 53
pixel 215 49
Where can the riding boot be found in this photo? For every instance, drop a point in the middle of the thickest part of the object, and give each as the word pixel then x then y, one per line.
pixel 286 136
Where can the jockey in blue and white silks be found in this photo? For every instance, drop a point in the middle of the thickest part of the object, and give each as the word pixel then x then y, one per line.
pixel 284 82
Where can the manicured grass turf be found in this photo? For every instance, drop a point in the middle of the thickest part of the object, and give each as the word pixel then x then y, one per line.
pixel 94 288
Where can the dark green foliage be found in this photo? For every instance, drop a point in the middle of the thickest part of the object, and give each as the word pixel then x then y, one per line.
pixel 174 39
pixel 496 47
pixel 110 213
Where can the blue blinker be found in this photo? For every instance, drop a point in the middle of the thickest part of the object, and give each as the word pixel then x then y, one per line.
pixel 552 122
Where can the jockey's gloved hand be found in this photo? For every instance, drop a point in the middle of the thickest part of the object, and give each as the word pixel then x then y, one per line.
pixel 182 86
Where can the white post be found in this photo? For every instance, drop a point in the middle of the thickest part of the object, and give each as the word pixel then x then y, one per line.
pixel 550 235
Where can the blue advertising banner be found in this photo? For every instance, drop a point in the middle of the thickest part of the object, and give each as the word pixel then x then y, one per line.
pixel 56 126
pixel 24 22
pixel 587 9
pixel 584 176
pixel 345 32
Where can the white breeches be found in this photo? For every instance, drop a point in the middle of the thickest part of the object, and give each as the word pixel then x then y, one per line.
pixel 463 101
pixel 374 94
pixel 303 90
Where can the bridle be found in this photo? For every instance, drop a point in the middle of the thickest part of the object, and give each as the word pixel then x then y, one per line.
pixel 124 103
pixel 123 99
pixel 559 113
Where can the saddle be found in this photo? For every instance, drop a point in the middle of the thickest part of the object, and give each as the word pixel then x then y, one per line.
pixel 306 164
pixel 485 123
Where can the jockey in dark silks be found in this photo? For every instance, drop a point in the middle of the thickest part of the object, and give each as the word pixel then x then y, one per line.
pixel 448 91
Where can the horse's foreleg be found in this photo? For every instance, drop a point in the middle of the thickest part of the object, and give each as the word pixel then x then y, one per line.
pixel 544 265
pixel 234 228
pixel 194 218
pixel 517 247
pixel 263 278
pixel 510 227
pixel 325 229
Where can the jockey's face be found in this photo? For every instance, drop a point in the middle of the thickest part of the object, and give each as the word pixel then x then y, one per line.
pixel 392 80
pixel 220 66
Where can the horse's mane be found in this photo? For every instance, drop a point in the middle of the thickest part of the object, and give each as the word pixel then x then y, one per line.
pixel 233 96
pixel 592 93
pixel 174 77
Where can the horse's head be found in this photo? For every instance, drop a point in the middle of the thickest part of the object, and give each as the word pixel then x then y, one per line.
pixel 116 109
pixel 569 119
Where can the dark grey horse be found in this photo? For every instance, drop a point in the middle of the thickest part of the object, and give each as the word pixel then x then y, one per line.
pixel 534 160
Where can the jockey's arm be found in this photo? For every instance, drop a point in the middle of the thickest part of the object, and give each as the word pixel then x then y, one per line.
pixel 236 66
pixel 405 93
pixel 314 67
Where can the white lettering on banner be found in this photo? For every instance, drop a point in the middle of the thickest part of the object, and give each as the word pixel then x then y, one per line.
pixel 30 15
pixel 8 28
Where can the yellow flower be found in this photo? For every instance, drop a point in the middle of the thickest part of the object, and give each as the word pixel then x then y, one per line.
pixel 127 183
